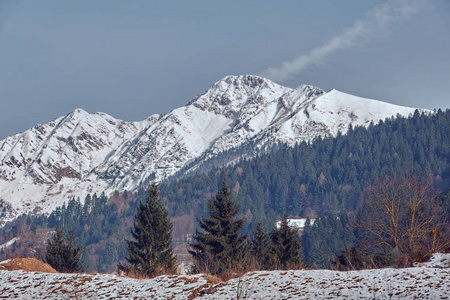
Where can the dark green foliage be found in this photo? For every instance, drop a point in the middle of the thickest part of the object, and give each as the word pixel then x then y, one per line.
pixel 150 252
pixel 326 176
pixel 94 222
pixel 219 246
pixel 359 257
pixel 348 163
pixel 63 255
pixel 99 224
pixel 325 239
pixel 285 247
pixel 259 247
pixel 259 242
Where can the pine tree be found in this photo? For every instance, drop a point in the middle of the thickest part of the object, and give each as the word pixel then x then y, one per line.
pixel 285 247
pixel 64 256
pixel 219 246
pixel 54 251
pixel 150 252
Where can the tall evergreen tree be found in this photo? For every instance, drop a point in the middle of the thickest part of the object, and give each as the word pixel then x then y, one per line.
pixel 285 247
pixel 150 252
pixel 219 246
pixel 64 256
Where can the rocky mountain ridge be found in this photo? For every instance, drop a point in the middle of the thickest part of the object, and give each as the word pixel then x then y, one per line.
pixel 85 153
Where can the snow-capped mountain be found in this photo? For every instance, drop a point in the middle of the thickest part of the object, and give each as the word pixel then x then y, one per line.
pixel 85 153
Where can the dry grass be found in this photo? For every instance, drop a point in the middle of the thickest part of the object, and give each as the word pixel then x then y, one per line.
pixel 212 279
pixel 225 276
pixel 27 264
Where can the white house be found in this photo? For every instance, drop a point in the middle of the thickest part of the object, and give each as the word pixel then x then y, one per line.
pixel 297 223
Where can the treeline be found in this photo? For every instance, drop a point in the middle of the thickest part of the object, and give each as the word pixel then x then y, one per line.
pixel 401 222
pixel 99 224
pixel 324 176
pixel 325 180
pixel 218 246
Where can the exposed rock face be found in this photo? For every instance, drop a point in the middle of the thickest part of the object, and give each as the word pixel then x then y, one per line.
pixel 85 153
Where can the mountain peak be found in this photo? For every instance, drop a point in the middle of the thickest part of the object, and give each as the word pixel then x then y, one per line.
pixel 244 80
pixel 79 112
pixel 232 92
pixel 84 153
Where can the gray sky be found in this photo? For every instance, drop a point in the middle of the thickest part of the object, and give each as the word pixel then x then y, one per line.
pixel 131 59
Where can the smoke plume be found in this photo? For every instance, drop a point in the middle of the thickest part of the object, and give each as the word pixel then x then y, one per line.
pixel 375 24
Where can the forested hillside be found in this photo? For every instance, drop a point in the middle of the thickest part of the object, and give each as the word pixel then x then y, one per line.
pixel 325 179
pixel 327 175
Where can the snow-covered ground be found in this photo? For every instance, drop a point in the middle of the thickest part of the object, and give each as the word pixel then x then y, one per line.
pixel 429 281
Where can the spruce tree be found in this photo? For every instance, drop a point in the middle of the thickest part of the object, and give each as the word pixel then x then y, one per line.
pixel 219 246
pixel 150 252
pixel 285 247
pixel 64 256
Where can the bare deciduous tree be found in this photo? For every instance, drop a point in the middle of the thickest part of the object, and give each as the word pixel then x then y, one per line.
pixel 402 213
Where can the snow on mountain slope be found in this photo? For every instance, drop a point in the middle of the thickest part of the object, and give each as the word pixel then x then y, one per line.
pixel 52 162
pixel 85 153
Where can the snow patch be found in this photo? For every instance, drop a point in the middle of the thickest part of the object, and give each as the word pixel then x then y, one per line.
pixel 410 283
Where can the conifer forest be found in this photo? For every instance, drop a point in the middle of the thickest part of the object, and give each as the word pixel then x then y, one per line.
pixel 222 218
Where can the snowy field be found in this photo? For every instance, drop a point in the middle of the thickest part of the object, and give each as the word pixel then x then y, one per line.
pixel 428 281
